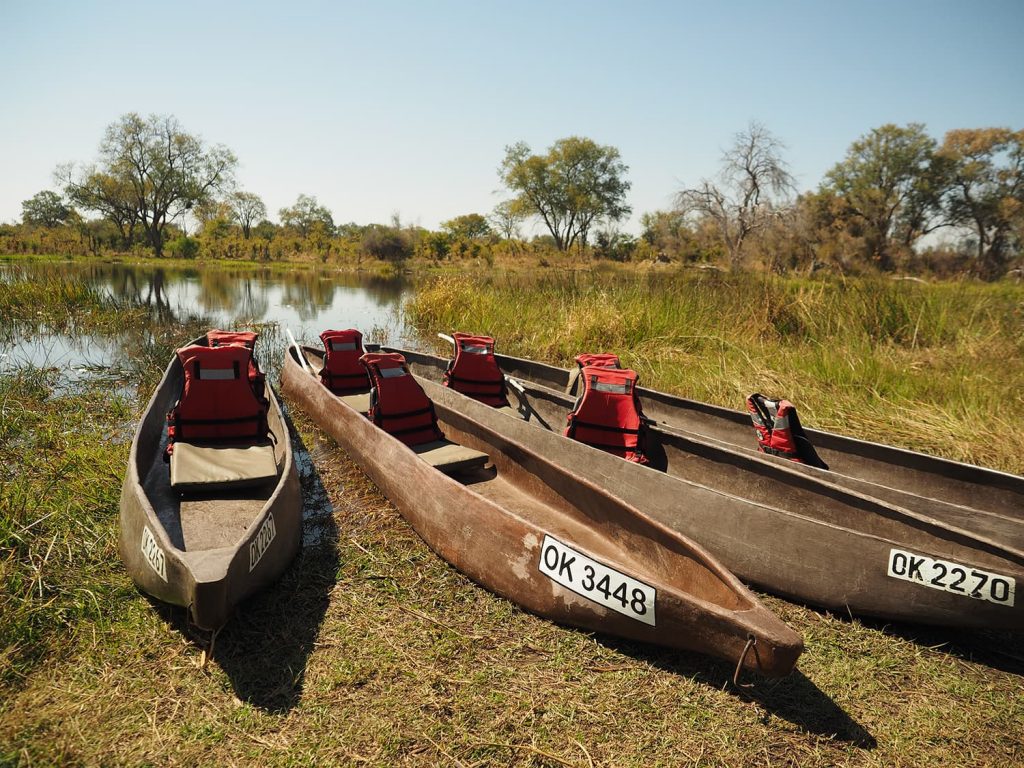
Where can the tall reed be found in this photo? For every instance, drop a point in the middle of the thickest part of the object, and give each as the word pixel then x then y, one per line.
pixel 935 367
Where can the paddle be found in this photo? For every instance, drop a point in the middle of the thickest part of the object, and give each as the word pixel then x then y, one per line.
pixel 298 352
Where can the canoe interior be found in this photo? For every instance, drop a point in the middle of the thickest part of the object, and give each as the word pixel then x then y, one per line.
pixel 198 521
pixel 915 473
pixel 733 477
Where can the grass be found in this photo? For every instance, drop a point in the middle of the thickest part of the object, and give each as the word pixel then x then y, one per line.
pixel 372 651
pixel 930 367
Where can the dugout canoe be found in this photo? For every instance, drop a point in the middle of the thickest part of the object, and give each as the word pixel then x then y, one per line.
pixel 784 530
pixel 208 550
pixel 984 502
pixel 551 542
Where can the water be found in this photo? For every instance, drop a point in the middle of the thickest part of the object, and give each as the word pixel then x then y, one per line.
pixel 307 302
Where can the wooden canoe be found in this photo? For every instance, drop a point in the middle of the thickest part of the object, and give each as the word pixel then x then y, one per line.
pixel 551 542
pixel 868 467
pixel 785 530
pixel 205 551
pixel 980 501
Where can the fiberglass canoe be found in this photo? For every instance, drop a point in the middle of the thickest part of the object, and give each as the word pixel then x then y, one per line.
pixel 206 549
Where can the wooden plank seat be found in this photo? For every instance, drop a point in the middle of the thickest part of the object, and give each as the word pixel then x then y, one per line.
pixel 213 468
pixel 448 457
pixel 358 402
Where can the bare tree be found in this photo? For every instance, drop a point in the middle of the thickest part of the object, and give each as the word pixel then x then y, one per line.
pixel 752 185
pixel 247 209
pixel 506 219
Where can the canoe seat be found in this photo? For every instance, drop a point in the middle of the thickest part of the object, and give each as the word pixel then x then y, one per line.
pixel 209 468
pixel 358 402
pixel 448 457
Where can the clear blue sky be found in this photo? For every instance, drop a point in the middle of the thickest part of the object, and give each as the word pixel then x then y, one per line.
pixel 383 107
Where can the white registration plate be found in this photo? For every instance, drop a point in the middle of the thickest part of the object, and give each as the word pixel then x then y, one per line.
pixel 952 577
pixel 595 581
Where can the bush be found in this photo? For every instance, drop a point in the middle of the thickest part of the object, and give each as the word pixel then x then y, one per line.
pixel 183 247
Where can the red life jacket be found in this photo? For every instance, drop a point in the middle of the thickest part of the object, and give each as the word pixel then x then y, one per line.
pixel 608 414
pixel 342 373
pixel 474 371
pixel 217 402
pixel 398 404
pixel 218 338
pixel 601 360
pixel 779 432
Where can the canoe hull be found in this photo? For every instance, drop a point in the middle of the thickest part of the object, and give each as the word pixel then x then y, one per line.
pixel 828 563
pixel 210 582
pixel 897 475
pixel 504 551
pixel 789 531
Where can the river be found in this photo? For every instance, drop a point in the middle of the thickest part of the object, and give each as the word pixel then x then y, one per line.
pixel 305 301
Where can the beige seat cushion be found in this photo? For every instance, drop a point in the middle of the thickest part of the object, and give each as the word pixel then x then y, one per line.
pixel 449 457
pixel 359 402
pixel 203 467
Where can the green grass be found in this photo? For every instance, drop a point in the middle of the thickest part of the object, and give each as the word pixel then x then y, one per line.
pixel 371 650
pixel 931 367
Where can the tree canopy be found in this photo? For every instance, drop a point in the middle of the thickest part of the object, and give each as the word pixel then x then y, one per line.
pixel 306 215
pixel 986 193
pixel 470 226
pixel 45 209
pixel 890 181
pixel 150 172
pixel 247 210
pixel 577 183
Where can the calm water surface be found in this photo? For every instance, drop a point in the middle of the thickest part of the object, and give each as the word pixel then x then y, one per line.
pixel 306 302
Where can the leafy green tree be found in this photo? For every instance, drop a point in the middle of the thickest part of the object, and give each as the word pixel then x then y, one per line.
pixel 752 186
pixel 471 226
pixel 111 197
pixel 45 209
pixel 577 183
pixel 266 230
pixel 892 185
pixel 987 190
pixel 387 243
pixel 155 167
pixel 304 214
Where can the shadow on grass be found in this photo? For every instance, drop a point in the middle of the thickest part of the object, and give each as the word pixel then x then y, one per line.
pixel 265 646
pixel 264 649
pixel 794 698
pixel 1002 651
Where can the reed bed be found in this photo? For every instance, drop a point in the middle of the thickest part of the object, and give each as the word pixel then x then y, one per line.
pixel 932 367
pixel 29 301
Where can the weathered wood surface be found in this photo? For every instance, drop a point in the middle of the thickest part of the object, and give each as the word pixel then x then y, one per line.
pixel 495 526
pixel 791 532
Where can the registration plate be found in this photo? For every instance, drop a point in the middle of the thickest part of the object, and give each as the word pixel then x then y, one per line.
pixel 597 582
pixel 952 577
